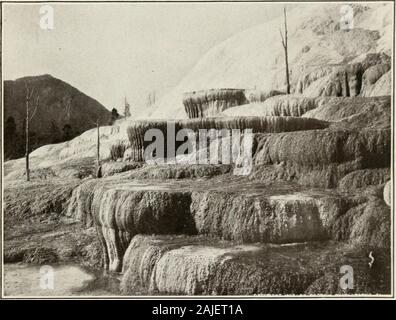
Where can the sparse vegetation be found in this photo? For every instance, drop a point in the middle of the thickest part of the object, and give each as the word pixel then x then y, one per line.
pixel 56 109
pixel 285 47
pixel 114 115
pixel 127 109
pixel 117 150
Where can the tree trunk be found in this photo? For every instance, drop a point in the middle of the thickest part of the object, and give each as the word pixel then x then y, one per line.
pixel 287 72
pixel 98 166
pixel 27 137
pixel 98 146
pixel 284 43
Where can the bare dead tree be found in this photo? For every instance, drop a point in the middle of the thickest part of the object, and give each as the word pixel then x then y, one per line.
pixel 29 95
pixel 98 144
pixel 151 98
pixel 284 44
pixel 127 110
pixel 68 107
pixel 98 165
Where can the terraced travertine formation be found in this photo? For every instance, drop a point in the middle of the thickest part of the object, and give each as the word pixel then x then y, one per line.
pixel 284 213
pixel 313 203
pixel 197 265
pixel 324 60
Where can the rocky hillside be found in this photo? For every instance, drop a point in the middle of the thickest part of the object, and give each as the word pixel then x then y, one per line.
pixel 320 54
pixel 63 113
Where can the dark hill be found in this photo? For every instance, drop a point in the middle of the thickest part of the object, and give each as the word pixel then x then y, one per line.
pixel 63 113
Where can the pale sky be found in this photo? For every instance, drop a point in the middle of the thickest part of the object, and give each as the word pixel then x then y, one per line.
pixel 109 51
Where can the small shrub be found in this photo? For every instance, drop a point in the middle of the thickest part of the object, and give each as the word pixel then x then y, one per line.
pixel 117 150
pixel 40 255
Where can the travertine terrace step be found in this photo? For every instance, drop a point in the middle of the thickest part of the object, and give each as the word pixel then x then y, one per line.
pixel 237 210
pixel 200 265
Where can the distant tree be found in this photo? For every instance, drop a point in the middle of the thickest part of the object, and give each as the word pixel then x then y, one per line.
pixel 285 48
pixel 151 98
pixel 67 132
pixel 54 132
pixel 98 165
pixel 10 137
pixel 29 117
pixel 127 111
pixel 34 140
pixel 10 128
pixel 24 130
pixel 114 115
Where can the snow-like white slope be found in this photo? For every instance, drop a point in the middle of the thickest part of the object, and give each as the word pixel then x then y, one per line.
pixel 83 146
pixel 254 58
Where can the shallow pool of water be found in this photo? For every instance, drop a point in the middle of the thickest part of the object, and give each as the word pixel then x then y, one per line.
pixel 24 280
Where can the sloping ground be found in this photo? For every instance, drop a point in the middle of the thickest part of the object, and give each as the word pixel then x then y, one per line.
pixel 36 199
pixel 382 87
pixel 55 158
pixel 354 112
pixel 198 265
pixel 67 158
pixel 35 228
pixel 68 169
pixel 364 178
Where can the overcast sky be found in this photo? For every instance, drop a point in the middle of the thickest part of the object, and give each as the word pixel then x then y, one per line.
pixel 109 51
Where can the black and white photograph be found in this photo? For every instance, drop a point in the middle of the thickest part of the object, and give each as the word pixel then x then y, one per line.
pixel 197 150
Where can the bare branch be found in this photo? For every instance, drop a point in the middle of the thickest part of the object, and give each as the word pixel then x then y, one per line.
pixel 284 15
pixel 31 93
pixel 35 108
pixel 27 90
pixel 283 41
pixel 284 44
